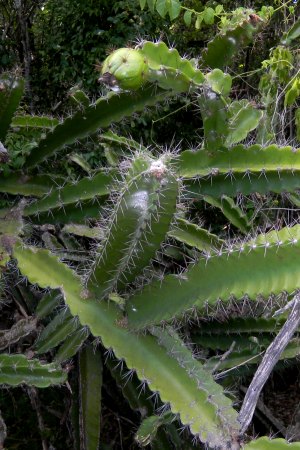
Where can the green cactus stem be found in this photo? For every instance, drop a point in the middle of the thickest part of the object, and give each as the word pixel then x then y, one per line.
pixel 85 189
pixel 27 185
pixel 239 160
pixel 193 235
pixel 56 332
pixel 17 369
pixel 90 384
pixel 270 267
pixel 169 70
pixel 27 122
pixel 11 91
pixel 47 303
pixel 71 345
pixel 163 372
pixel 140 221
pixel 101 114
pixel 265 443
pixel 231 211
pixel 76 213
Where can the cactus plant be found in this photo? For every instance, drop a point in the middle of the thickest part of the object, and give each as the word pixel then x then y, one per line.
pixel 101 246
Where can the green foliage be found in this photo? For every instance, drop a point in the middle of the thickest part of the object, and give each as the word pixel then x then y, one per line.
pixel 163 7
pixel 236 34
pixel 292 34
pixel 243 118
pixel 71 38
pixel 10 228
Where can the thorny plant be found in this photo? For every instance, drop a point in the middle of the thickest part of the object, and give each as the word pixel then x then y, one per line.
pixel 119 256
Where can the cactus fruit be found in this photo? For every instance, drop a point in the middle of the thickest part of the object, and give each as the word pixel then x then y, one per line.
pixel 126 68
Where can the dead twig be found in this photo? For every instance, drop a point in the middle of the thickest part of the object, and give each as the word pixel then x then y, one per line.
pixel 267 364
pixel 3 433
pixel 35 402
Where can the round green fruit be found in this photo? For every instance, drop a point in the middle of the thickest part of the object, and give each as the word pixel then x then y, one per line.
pixel 127 66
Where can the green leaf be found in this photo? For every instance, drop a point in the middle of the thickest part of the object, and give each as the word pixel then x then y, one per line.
pixel 219 81
pixel 219 9
pixel 293 93
pixel 151 4
pixel 243 118
pixel 174 9
pixel 90 385
pixel 297 123
pixel 142 4
pixel 199 20
pixel 292 34
pixel 187 17
pixel 162 7
pixel 209 16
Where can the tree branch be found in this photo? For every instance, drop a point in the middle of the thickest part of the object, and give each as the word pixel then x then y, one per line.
pixel 267 364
